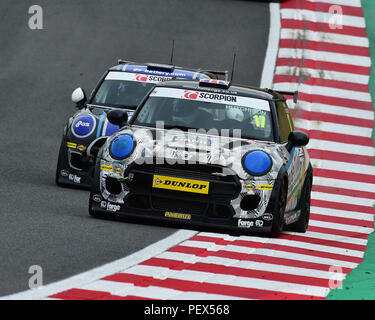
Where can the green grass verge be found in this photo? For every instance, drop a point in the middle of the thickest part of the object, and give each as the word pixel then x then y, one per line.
pixel 360 283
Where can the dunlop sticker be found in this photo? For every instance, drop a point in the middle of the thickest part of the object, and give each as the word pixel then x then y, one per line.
pixel 180 184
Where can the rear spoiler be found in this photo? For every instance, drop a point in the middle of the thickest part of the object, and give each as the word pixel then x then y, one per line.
pixel 121 61
pixel 218 73
pixel 168 67
pixel 151 66
pixel 289 93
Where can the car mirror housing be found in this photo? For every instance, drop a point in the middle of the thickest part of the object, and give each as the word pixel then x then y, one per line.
pixel 297 139
pixel 118 117
pixel 79 97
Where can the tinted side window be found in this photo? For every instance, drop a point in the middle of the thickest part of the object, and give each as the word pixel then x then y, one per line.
pixel 284 120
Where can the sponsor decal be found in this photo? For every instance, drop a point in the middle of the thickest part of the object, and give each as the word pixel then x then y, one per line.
pixel 158 78
pixel 113 207
pixel 250 223
pixel 175 215
pixel 118 170
pixel 267 217
pixel 150 78
pixel 259 223
pixel 64 173
pixel 191 140
pixel 81 147
pixel 175 74
pixel 180 184
pixel 75 178
pixel 265 187
pixel 193 95
pixel 105 167
pixel 141 77
pixel 217 96
pixel 109 206
pixel 83 126
pixel 71 145
pixel 249 186
pixel 245 223
pixel 97 198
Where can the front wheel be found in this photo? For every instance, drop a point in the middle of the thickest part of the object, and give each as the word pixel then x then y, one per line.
pixel 302 223
pixel 59 163
pixel 95 187
pixel 279 212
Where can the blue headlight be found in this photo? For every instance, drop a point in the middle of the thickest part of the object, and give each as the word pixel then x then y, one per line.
pixel 122 146
pixel 257 162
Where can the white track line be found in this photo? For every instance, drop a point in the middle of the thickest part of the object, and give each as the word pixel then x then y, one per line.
pixel 342 199
pixel 324 17
pixel 272 47
pixel 325 56
pixel 326 91
pixel 324 37
pixel 333 127
pixel 326 108
pixel 213 278
pixel 249 265
pixel 343 166
pixel 322 74
pixel 342 213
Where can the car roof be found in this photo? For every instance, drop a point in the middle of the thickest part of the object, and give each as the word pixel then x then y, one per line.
pixel 164 70
pixel 233 89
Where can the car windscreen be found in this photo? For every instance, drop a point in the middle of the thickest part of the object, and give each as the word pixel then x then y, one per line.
pixel 122 90
pixel 199 110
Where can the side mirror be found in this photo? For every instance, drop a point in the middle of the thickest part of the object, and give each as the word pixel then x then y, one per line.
pixel 118 117
pixel 79 97
pixel 297 139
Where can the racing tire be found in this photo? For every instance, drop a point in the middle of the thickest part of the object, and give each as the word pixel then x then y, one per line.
pixel 302 223
pixel 59 162
pixel 98 215
pixel 279 211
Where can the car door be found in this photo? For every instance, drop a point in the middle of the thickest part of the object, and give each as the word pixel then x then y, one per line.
pixel 296 161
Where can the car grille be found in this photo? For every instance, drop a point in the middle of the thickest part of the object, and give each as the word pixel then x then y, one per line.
pixel 176 205
pixel 222 189
pixel 189 171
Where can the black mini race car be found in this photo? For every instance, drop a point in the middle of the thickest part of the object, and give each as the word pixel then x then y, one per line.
pixel 121 87
pixel 207 153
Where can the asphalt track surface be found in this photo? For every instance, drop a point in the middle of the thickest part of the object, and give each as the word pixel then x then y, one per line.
pixel 40 223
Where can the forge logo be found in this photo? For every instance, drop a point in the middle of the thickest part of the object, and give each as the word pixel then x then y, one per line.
pixel 193 95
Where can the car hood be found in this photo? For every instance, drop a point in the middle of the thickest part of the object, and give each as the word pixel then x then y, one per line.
pixel 176 146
